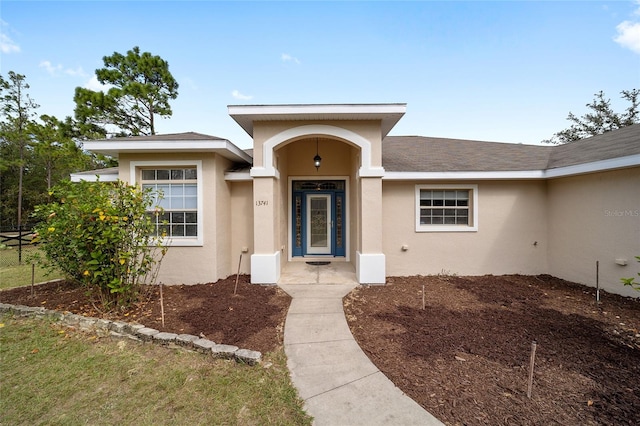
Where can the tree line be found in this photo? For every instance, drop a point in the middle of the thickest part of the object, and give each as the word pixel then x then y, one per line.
pixel 39 151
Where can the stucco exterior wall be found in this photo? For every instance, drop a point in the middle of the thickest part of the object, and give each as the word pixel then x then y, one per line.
pixel 264 130
pixel 354 206
pixel 224 257
pixel 336 158
pixel 512 217
pixel 593 218
pixel 241 209
pixel 211 261
pixel 370 199
pixel 276 140
pixel 284 165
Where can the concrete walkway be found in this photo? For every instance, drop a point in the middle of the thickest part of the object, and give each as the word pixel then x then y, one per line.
pixel 337 381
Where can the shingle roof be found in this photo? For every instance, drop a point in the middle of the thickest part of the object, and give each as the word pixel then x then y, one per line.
pixel 101 172
pixel 614 144
pixel 426 154
pixel 186 136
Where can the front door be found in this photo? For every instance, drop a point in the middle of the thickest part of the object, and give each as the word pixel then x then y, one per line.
pixel 318 212
pixel 318 223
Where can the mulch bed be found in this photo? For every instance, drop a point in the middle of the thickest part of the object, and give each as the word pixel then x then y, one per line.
pixel 251 319
pixel 465 357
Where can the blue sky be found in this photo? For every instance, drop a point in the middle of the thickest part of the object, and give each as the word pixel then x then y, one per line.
pixel 507 71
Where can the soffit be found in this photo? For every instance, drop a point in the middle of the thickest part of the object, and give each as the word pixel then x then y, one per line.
pixel 387 114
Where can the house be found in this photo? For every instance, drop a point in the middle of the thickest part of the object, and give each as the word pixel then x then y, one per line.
pixel 327 181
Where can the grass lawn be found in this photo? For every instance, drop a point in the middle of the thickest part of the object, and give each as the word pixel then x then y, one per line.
pixel 14 274
pixel 50 374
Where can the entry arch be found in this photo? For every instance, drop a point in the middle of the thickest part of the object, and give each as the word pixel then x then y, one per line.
pixel 269 170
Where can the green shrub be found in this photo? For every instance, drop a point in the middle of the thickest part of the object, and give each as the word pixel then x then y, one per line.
pixel 630 281
pixel 100 235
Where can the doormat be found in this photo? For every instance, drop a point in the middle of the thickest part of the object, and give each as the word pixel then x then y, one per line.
pixel 318 263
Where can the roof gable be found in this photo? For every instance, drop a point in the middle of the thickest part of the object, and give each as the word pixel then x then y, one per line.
pixel 387 115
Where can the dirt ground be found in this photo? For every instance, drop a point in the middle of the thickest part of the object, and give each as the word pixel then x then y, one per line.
pixel 253 318
pixel 465 357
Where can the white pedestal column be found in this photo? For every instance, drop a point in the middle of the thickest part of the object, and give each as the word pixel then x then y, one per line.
pixel 370 268
pixel 370 261
pixel 265 268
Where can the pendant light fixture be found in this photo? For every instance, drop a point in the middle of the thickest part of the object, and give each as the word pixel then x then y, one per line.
pixel 317 159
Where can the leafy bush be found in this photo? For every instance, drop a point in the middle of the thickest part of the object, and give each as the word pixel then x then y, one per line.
pixel 101 236
pixel 630 281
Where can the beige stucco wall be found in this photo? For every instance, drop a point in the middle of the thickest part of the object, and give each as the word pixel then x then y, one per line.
pixel 369 130
pixel 336 158
pixel 222 230
pixel 593 218
pixel 355 227
pixel 266 223
pixel 370 240
pixel 347 148
pixel 284 164
pixel 241 209
pixel 574 221
pixel 512 217
pixel 212 260
pixel 295 161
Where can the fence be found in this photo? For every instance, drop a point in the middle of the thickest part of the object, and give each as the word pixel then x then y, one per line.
pixel 15 245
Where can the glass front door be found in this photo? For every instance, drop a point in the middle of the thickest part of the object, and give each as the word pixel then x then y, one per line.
pixel 318 218
pixel 319 223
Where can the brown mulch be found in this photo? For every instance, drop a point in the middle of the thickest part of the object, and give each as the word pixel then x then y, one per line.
pixel 251 319
pixel 465 357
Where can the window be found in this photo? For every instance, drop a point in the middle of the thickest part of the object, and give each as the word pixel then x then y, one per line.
pixel 446 208
pixel 178 190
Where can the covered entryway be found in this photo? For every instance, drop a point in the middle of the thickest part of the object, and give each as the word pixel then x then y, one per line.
pixel 304 208
pixel 318 218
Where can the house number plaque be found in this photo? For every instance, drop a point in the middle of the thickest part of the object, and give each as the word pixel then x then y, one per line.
pixel 262 203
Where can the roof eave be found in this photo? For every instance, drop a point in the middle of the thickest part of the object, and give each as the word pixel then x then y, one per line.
pixel 595 166
pixel 243 176
pixel 387 114
pixel 465 175
pixel 560 172
pixel 80 177
pixel 222 147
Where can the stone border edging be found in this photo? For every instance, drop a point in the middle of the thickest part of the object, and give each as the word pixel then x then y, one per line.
pixel 137 332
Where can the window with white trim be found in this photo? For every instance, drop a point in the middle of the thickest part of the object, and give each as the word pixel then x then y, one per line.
pixel 446 208
pixel 176 191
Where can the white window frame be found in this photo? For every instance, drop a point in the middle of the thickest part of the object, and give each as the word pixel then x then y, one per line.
pixel 136 177
pixel 473 209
